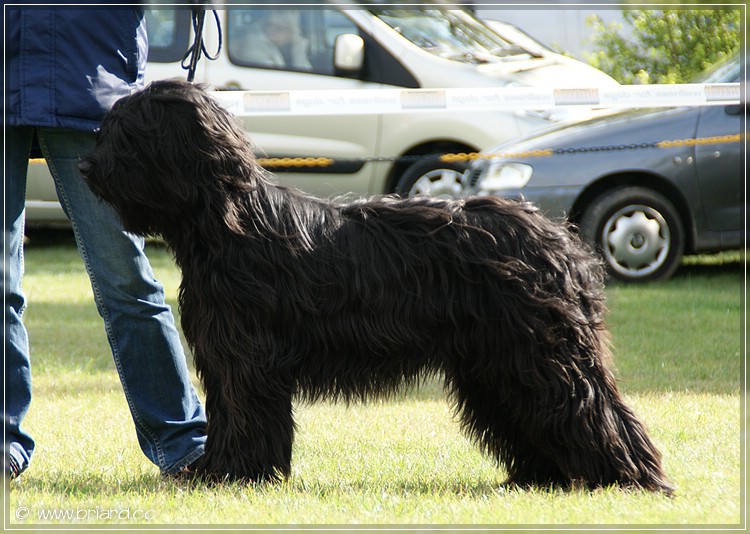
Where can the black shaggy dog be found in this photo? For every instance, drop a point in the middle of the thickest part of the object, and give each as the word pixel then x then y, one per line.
pixel 286 297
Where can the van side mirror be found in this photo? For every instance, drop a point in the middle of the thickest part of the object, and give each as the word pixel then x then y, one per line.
pixel 348 54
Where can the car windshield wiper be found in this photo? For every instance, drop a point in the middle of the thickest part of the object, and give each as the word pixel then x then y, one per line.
pixel 512 50
pixel 469 57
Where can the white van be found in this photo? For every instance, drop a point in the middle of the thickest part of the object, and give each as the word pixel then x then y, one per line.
pixel 266 48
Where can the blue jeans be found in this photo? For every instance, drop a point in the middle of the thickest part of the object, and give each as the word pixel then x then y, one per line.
pixel 169 419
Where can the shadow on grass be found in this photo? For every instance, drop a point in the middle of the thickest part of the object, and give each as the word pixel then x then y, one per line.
pixel 323 489
pixel 87 484
pixel 49 237
pixel 100 485
pixel 423 486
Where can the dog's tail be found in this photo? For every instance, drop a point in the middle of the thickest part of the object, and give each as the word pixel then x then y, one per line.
pixel 638 463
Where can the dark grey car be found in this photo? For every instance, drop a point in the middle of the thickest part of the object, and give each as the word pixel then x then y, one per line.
pixel 641 202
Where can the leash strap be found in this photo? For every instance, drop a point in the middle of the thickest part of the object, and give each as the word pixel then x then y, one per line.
pixel 199 47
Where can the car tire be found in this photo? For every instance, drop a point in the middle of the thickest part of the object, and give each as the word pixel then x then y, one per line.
pixel 638 232
pixel 432 177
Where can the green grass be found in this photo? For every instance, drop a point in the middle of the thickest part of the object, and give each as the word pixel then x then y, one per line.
pixel 678 353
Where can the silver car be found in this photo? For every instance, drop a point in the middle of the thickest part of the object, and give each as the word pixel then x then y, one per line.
pixel 644 186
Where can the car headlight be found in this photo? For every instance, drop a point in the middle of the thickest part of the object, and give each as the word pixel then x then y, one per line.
pixel 499 176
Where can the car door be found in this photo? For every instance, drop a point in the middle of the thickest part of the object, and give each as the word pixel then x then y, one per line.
pixel 719 169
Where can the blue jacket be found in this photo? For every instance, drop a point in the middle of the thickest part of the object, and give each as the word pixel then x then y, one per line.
pixel 66 67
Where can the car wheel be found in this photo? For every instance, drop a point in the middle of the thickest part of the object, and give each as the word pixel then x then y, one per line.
pixel 432 177
pixel 638 232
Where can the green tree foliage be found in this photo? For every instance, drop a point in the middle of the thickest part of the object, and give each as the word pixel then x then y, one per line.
pixel 664 46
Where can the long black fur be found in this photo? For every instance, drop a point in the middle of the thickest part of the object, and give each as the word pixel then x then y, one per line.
pixel 287 297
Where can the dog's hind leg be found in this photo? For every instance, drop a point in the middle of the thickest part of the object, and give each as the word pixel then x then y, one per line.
pixel 551 437
pixel 250 428
pixel 602 441
pixel 489 414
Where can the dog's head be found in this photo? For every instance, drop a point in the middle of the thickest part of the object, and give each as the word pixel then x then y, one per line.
pixel 167 156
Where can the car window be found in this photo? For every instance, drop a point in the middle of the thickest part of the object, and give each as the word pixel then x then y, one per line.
pixel 168 34
pixel 727 71
pixel 299 40
pixel 450 34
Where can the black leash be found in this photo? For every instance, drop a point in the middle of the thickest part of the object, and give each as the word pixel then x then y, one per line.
pixel 198 46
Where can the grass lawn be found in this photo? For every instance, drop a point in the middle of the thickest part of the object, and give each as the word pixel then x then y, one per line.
pixel 678 351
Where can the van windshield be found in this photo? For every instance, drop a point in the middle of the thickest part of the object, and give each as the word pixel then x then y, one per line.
pixel 450 34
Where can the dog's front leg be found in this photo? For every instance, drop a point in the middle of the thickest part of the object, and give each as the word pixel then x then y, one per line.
pixel 250 425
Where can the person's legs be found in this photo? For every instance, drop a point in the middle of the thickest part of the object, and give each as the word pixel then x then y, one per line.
pixel 18 446
pixel 148 354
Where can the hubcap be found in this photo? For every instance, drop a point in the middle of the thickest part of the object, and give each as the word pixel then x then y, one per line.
pixel 636 241
pixel 440 183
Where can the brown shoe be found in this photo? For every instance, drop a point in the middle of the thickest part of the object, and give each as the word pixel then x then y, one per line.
pixel 184 474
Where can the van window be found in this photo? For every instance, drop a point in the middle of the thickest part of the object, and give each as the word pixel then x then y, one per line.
pixel 168 34
pixel 287 39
